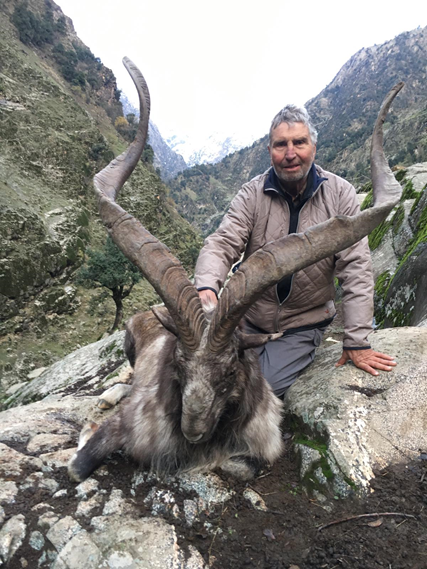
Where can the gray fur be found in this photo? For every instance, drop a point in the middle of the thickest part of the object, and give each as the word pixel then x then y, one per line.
pixel 188 411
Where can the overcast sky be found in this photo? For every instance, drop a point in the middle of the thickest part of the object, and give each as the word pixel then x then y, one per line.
pixel 229 65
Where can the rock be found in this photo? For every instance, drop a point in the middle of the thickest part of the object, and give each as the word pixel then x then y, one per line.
pixel 365 422
pixel 62 531
pixel 255 499
pixel 8 491
pixel 406 299
pixel 117 504
pixel 383 257
pixel 417 173
pixel 36 373
pixel 79 366
pixel 12 462
pixel 48 442
pixel 79 552
pixel 12 535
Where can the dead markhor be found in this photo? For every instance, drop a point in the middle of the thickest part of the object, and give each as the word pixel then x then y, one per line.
pixel 198 400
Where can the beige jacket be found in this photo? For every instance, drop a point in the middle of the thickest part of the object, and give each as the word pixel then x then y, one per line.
pixel 257 216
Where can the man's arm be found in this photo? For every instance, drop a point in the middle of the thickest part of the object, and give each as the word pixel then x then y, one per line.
pixel 224 247
pixel 354 270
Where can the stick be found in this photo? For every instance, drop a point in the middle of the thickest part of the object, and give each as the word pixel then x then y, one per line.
pixel 365 516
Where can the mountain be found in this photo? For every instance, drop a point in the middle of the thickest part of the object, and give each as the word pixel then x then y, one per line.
pixel 344 113
pixel 209 150
pixel 169 162
pixel 58 109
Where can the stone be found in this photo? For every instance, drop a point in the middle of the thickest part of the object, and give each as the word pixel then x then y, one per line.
pixel 58 458
pixel 8 491
pixel 117 504
pixel 417 173
pixel 62 531
pixel 210 488
pixel 406 299
pixel 36 373
pixel 12 535
pixel 86 507
pixel 36 540
pixel 48 442
pixel 81 365
pixel 367 422
pixel 255 499
pixel 87 487
pixel 78 553
pixel 12 462
pixel 383 257
pixel 47 520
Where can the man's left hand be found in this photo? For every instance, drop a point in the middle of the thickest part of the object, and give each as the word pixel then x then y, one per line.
pixel 368 360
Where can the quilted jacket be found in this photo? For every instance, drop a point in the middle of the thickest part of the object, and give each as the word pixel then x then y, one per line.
pixel 259 214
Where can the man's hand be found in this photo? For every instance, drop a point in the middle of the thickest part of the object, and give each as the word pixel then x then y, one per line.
pixel 368 360
pixel 208 298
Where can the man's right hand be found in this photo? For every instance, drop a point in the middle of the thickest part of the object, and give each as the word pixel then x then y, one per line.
pixel 208 298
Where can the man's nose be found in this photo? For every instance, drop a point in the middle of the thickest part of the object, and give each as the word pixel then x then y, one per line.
pixel 290 152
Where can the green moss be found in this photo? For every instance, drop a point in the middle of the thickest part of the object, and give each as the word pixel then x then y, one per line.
pixel 378 234
pixel 408 191
pixel 420 236
pixel 400 174
pixel 398 218
pixel 368 201
pixel 381 284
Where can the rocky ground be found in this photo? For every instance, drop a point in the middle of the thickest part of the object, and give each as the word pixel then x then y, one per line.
pixel 124 518
pixel 230 532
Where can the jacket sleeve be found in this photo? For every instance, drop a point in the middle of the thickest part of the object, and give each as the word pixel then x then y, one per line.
pixel 224 247
pixel 354 270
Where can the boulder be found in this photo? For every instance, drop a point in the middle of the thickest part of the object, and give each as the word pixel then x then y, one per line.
pixel 87 367
pixel 350 423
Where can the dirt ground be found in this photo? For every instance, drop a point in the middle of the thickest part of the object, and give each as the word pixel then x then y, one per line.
pixel 289 534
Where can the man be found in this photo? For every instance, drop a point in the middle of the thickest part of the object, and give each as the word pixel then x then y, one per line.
pixel 293 195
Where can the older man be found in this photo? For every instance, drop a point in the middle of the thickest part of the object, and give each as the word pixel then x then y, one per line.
pixel 293 195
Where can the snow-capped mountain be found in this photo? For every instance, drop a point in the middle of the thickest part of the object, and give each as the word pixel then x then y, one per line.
pixel 210 150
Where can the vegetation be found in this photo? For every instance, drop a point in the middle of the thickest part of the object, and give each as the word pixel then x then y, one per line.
pixel 110 269
pixel 36 30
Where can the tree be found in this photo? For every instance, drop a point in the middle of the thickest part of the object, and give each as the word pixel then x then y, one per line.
pixel 110 269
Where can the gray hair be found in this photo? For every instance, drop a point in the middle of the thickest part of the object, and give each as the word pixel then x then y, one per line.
pixel 292 114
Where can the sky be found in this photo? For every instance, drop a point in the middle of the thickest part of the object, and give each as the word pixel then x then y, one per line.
pixel 228 66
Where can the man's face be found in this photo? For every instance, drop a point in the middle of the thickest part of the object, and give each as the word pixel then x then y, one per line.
pixel 291 151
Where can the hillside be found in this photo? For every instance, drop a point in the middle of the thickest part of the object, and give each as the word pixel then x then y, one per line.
pixel 344 113
pixel 58 105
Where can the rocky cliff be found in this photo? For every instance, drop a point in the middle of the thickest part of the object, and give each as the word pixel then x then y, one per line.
pixel 58 106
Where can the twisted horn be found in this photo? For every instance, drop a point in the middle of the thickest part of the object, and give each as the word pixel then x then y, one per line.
pixel 294 252
pixel 163 271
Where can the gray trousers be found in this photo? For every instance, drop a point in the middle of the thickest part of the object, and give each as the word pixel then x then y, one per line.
pixel 282 360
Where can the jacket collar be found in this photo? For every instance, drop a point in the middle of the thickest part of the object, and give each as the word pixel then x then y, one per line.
pixel 314 180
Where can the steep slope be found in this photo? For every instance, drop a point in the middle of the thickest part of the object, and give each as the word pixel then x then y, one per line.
pixel 56 131
pixel 344 113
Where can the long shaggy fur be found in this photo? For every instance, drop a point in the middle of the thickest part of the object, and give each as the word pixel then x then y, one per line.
pixel 148 425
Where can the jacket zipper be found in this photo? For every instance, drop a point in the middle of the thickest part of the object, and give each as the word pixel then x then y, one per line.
pixel 292 278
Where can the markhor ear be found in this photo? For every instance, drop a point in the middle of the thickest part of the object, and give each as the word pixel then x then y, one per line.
pixel 247 341
pixel 163 316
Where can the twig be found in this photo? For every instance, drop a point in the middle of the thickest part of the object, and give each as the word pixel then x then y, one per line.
pixel 320 528
pixel 217 530
pixel 263 475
